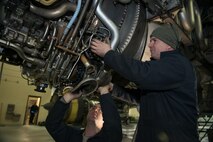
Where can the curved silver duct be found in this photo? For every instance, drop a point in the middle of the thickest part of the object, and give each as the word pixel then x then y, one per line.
pixel 21 53
pixel 187 16
pixel 53 13
pixel 190 19
pixel 109 24
pixel 198 27
pixel 185 22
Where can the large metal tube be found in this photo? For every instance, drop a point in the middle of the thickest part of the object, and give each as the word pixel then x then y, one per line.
pixel 185 22
pixel 53 13
pixel 187 16
pixel 198 27
pixel 20 52
pixel 109 24
pixel 190 19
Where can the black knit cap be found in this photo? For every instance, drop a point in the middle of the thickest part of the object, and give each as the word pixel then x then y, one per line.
pixel 169 34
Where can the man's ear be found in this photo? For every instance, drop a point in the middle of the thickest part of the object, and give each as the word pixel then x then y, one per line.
pixel 170 48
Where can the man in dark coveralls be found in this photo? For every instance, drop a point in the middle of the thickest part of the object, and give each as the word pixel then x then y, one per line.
pixel 103 120
pixel 166 87
pixel 33 112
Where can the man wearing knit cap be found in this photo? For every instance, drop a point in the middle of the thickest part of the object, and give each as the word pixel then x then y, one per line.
pixel 166 85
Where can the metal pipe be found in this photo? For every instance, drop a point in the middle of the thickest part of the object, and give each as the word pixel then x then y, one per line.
pixel 190 19
pixel 199 28
pixel 45 33
pixel 47 2
pixel 185 22
pixel 72 20
pixel 89 67
pixel 33 52
pixel 187 16
pixel 109 24
pixel 46 53
pixel 20 52
pixel 80 19
pixel 53 13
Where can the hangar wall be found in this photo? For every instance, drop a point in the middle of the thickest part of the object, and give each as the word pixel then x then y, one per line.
pixel 14 90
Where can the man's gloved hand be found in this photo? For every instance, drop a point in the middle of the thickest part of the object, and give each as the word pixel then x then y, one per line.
pixel 105 89
pixel 68 95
